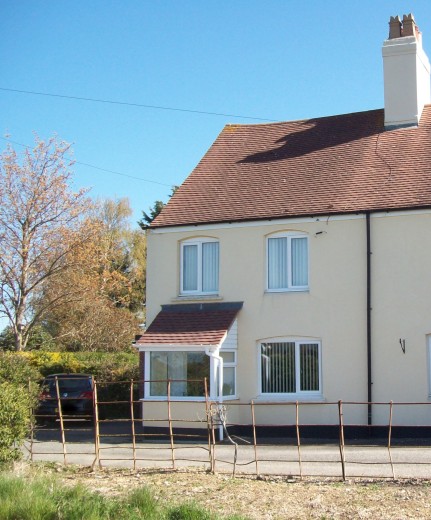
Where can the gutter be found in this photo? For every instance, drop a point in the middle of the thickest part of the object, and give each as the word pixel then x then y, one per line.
pixel 369 309
pixel 318 214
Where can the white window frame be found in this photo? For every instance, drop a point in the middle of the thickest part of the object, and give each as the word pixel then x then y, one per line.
pixel 230 364
pixel 199 243
pixel 429 364
pixel 212 382
pixel 298 394
pixel 289 235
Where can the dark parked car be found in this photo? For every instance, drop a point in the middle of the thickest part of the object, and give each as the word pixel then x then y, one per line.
pixel 76 397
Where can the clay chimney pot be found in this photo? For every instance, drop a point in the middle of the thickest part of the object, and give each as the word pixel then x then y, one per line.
pixel 394 27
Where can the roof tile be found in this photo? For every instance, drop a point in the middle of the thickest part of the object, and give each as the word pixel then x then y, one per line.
pixel 330 165
pixel 196 325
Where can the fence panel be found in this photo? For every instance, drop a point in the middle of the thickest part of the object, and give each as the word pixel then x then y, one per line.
pixel 122 431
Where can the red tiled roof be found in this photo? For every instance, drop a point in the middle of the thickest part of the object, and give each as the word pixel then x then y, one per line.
pixel 330 165
pixel 194 324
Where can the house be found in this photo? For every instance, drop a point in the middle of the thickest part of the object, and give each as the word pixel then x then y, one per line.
pixel 293 264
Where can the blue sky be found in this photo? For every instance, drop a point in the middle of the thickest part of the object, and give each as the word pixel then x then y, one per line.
pixel 280 60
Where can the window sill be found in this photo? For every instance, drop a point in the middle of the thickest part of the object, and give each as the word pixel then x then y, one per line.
pixel 284 291
pixel 224 399
pixel 197 297
pixel 290 399
pixel 163 399
pixel 177 399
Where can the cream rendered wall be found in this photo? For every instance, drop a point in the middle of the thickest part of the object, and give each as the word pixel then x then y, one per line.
pixel 332 311
pixel 401 280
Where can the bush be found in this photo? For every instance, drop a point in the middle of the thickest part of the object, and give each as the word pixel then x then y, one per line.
pixel 119 366
pixel 18 393
pixel 112 371
pixel 15 417
pixel 15 368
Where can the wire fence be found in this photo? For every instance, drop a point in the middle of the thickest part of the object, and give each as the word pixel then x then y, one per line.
pixel 201 433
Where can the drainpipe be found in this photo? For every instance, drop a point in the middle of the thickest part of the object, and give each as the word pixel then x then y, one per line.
pixel 216 367
pixel 369 360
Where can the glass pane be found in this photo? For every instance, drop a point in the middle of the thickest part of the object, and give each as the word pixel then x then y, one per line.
pixel 158 373
pixel 177 370
pixel 190 268
pixel 309 368
pixel 299 262
pixel 278 368
pixel 186 370
pixel 228 381
pixel 277 263
pixel 210 266
pixel 228 357
pixel 198 367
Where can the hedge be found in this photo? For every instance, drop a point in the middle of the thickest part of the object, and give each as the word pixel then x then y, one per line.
pixel 104 366
pixel 18 394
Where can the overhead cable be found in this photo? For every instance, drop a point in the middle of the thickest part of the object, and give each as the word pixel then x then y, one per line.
pixel 139 105
pixel 97 167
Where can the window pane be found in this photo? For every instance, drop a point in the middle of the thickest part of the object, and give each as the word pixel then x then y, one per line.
pixel 177 370
pixel 210 266
pixel 198 367
pixel 228 381
pixel 277 263
pixel 309 367
pixel 299 262
pixel 186 370
pixel 158 373
pixel 190 268
pixel 278 368
pixel 228 357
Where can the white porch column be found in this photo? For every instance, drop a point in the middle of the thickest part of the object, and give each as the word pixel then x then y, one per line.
pixel 216 379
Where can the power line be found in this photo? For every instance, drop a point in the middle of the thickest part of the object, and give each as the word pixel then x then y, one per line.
pixel 139 105
pixel 98 167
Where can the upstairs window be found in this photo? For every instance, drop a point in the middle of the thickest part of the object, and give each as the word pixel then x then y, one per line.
pixel 200 267
pixel 287 261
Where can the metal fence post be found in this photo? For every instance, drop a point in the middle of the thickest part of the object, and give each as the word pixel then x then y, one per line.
pixel 341 422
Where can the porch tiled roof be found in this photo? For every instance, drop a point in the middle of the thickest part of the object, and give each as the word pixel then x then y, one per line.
pixel 330 165
pixel 191 324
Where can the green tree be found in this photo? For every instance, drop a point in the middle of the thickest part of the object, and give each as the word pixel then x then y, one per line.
pixel 39 339
pixel 155 210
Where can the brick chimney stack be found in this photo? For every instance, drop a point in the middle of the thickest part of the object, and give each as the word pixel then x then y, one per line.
pixel 406 73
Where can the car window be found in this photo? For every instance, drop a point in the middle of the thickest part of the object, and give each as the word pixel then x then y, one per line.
pixel 70 385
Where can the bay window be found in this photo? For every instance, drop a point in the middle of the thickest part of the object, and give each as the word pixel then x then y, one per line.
pixel 287 262
pixel 290 367
pixel 186 371
pixel 199 266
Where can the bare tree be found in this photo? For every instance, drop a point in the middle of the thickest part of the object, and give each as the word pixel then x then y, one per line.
pixel 40 223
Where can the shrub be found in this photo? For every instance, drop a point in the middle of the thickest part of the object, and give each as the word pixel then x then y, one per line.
pixel 112 371
pixel 15 368
pixel 18 393
pixel 15 416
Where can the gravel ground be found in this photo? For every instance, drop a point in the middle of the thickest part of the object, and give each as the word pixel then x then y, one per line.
pixel 254 498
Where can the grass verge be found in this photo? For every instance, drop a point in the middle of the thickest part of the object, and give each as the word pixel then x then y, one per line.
pixel 47 499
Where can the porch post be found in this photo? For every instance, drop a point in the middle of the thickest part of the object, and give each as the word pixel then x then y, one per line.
pixel 216 377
